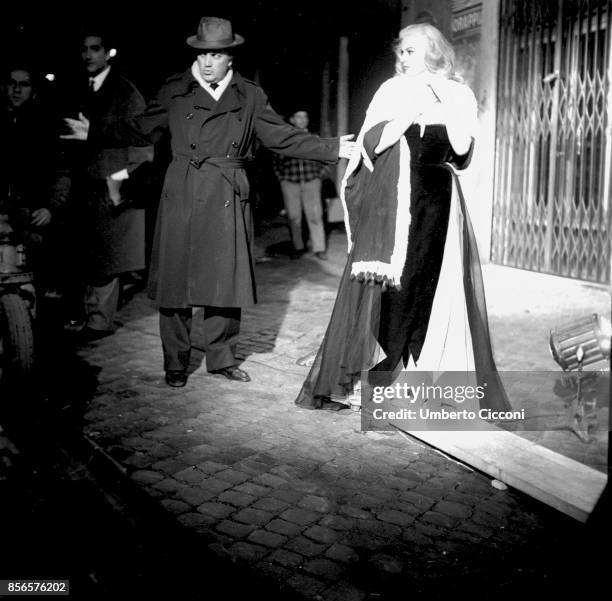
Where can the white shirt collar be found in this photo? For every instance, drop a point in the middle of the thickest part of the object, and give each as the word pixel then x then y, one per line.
pixel 98 79
pixel 216 94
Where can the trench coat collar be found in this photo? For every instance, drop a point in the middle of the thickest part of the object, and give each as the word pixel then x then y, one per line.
pixel 231 100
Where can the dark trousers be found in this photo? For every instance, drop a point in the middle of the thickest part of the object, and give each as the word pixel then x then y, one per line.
pixel 221 329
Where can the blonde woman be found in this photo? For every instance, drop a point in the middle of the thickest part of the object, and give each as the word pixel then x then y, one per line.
pixel 411 294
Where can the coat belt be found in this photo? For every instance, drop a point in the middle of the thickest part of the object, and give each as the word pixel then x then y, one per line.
pixel 220 162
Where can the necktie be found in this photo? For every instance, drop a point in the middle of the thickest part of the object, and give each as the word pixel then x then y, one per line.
pixel 91 84
pixel 214 86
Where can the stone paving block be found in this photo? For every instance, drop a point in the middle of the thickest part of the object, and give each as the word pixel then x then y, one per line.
pixel 337 522
pixel 430 530
pixel 478 487
pixel 286 558
pixel 190 475
pixel 253 516
pixel 168 466
pixel 214 485
pixel 355 512
pixel 362 540
pixel 324 568
pixel 414 537
pixel 217 510
pixel 342 553
pixel 253 467
pixel 386 563
pixel 234 529
pixel 306 486
pixel 395 517
pixel 419 501
pixel 270 480
pixel 343 591
pixel 468 500
pixel 453 510
pixel 175 506
pixel 321 534
pixel 495 507
pixel 194 495
pixel 403 507
pixel 379 528
pixel 300 516
pixel 253 489
pixel 283 527
pixel 238 499
pixel 139 460
pixel 275 572
pixel 154 493
pixel 307 586
pixel 465 538
pixel 271 504
pixel 146 477
pixel 400 483
pixel 211 467
pixel 267 538
pixel 305 547
pixel 439 519
pixel 290 496
pixel 436 493
pixel 168 485
pixel 198 521
pixel 483 518
pixel 248 552
pixel 233 476
pixel 315 503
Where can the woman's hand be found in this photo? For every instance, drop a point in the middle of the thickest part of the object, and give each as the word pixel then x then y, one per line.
pixel 459 112
pixel 419 99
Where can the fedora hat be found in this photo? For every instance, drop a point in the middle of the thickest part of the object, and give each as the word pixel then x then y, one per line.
pixel 214 34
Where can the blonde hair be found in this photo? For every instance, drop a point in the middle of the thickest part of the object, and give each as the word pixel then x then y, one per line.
pixel 439 55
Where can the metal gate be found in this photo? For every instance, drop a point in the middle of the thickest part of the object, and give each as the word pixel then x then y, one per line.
pixel 553 165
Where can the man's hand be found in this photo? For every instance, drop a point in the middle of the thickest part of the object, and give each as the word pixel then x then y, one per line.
pixel 79 128
pixel 114 190
pixel 346 146
pixel 41 217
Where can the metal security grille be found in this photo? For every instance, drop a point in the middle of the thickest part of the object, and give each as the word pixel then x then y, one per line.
pixel 553 196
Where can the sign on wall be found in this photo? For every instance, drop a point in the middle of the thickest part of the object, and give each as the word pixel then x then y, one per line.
pixel 465 29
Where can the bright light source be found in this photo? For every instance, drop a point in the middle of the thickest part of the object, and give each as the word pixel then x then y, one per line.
pixel 581 342
pixel 112 52
pixel 50 76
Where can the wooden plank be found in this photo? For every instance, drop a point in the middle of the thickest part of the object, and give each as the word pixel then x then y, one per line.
pixel 562 483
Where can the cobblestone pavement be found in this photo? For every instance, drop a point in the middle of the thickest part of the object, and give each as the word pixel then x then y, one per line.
pixel 306 498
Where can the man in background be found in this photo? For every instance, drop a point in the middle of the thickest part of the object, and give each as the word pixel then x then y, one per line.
pixel 108 233
pixel 300 181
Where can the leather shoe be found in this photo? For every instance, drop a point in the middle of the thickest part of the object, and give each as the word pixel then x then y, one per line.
pixel 176 378
pixel 233 372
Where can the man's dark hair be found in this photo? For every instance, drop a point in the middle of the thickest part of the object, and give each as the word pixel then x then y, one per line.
pixel 36 76
pixel 99 30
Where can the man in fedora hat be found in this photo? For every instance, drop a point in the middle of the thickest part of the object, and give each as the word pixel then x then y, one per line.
pixel 203 244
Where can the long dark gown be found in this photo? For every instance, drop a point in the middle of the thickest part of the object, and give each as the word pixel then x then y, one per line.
pixel 367 320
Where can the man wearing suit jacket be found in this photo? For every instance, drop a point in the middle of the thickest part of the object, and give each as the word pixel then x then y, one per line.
pixel 108 232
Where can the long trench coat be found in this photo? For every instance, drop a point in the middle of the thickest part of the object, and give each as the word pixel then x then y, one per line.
pixel 202 248
pixel 109 240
